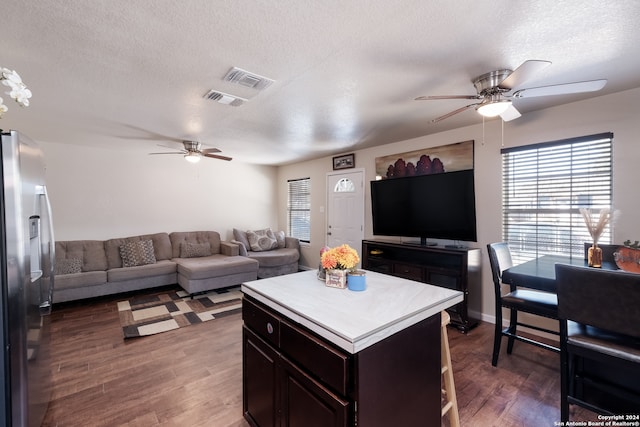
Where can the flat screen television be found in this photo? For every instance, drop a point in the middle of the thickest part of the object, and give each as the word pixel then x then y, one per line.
pixel 438 206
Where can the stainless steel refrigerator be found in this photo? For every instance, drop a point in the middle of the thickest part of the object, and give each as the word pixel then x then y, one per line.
pixel 27 263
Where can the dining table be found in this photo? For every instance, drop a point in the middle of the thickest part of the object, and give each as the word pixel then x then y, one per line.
pixel 540 273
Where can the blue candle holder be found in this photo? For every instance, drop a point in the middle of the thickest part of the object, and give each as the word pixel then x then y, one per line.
pixel 357 280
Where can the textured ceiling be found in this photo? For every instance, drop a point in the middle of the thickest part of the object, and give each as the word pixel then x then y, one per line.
pixel 132 74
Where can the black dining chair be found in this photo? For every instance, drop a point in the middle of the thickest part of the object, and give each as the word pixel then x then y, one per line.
pixel 530 301
pixel 599 314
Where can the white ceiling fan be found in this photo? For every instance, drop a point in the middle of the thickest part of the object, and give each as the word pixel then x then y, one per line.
pixel 193 152
pixel 496 91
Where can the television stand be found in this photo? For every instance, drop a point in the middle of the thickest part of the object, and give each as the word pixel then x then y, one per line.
pixel 455 246
pixel 452 268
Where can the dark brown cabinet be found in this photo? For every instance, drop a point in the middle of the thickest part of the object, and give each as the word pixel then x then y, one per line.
pixel 276 392
pixel 261 374
pixel 294 378
pixel 452 268
pixel 307 403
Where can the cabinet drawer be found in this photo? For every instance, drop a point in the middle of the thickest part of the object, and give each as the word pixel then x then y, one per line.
pixel 323 362
pixel 408 271
pixel 261 322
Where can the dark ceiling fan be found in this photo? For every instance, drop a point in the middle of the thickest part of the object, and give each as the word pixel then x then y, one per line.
pixel 496 91
pixel 193 152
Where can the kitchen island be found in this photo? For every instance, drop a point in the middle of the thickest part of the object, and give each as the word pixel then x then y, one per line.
pixel 320 356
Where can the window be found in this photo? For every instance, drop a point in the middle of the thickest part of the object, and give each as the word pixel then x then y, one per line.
pixel 344 185
pixel 299 209
pixel 543 188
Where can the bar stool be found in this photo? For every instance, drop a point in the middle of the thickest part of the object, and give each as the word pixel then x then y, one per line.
pixel 449 391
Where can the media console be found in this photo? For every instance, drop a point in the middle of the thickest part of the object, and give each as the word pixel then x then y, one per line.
pixel 452 268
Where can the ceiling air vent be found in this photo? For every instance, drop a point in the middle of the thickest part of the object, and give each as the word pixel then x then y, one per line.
pixel 245 78
pixel 224 98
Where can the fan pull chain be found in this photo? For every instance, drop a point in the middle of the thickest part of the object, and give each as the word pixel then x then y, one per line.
pixel 483 131
pixel 502 133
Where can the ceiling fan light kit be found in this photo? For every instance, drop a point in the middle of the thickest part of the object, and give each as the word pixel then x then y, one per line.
pixel 192 157
pixel 494 108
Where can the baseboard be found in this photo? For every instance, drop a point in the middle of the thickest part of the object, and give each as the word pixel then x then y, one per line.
pixel 505 322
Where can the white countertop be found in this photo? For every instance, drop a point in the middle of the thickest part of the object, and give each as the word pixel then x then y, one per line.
pixel 352 320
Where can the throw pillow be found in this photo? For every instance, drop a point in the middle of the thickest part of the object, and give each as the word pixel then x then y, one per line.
pixel 241 236
pixel 137 253
pixel 242 249
pixel 195 250
pixel 280 238
pixel 262 240
pixel 67 266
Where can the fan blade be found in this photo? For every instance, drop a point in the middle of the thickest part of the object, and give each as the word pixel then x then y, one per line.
pixel 524 72
pixel 459 110
pixel 215 156
pixel 209 150
pixel 431 98
pixel 510 114
pixel 171 152
pixel 166 146
pixel 562 89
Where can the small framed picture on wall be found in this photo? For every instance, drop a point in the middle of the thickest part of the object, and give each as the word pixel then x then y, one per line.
pixel 344 162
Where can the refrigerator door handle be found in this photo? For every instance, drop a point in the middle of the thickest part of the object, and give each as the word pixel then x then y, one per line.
pixel 47 304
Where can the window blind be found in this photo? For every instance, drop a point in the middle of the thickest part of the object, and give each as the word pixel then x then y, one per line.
pixel 299 209
pixel 543 188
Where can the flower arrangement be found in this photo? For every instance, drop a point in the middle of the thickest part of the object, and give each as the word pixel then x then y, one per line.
pixel 18 92
pixel 342 257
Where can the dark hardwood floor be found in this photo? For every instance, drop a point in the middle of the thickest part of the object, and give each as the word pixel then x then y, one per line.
pixel 192 376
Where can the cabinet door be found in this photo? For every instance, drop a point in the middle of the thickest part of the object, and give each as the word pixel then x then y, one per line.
pixel 260 379
pixel 306 403
pixel 378 265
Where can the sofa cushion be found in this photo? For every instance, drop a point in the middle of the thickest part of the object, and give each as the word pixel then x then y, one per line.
pixel 241 236
pixel 161 248
pixel 91 252
pixel 142 271
pixel 179 237
pixel 137 253
pixel 280 237
pixel 214 266
pixel 67 266
pixel 262 240
pixel 195 250
pixel 242 249
pixel 276 258
pixel 80 280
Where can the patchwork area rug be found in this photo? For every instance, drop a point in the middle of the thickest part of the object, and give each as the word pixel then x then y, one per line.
pixel 152 314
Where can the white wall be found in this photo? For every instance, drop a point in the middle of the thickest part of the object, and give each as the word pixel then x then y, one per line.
pixel 99 193
pixel 618 113
pixel 104 193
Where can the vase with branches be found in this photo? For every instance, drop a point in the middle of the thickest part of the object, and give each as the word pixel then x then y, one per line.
pixel 595 228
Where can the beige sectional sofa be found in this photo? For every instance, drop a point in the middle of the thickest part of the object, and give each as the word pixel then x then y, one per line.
pixel 197 261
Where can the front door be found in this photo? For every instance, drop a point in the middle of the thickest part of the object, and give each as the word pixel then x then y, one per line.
pixel 345 208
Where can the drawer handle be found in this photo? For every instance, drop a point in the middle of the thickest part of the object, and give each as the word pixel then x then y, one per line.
pixel 269 328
